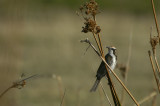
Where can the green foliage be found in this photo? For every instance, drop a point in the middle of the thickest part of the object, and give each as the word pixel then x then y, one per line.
pixel 134 6
pixel 131 6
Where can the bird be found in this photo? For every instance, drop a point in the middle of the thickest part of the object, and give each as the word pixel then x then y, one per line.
pixel 111 60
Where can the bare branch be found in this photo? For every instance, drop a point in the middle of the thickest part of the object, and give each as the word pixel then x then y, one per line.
pixel 155 58
pixel 87 41
pixel 18 84
pixel 152 95
pixel 155 18
pixel 62 101
pixel 157 81
pixel 105 94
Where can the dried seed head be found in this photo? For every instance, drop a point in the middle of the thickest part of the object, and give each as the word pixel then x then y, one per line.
pixel 89 11
pixel 85 30
pixel 19 85
pixel 98 29
pixel 81 8
pixel 89 25
pixel 154 41
pixel 91 8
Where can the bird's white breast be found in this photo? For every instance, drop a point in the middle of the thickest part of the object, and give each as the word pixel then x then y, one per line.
pixel 113 65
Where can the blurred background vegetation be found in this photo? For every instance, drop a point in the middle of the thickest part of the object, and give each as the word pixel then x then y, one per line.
pixel 42 37
pixel 131 6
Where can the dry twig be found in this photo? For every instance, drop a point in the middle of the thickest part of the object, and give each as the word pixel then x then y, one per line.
pixel 158 69
pixel 91 9
pixel 101 98
pixel 102 88
pixel 154 100
pixel 62 101
pixel 113 91
pixel 155 18
pixel 151 60
pixel 18 84
pixel 105 94
pixel 152 95
pixel 60 86
pixel 87 41
pixel 154 41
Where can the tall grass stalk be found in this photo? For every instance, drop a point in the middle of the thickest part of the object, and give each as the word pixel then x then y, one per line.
pixel 87 41
pixel 154 72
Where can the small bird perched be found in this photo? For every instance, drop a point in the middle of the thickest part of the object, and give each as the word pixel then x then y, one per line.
pixel 111 60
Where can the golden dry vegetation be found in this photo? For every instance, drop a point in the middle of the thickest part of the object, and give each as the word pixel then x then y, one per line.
pixel 47 43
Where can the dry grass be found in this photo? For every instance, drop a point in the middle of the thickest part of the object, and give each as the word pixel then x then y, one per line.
pixel 36 45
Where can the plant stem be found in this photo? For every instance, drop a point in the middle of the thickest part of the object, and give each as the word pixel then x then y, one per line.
pixel 87 41
pixel 105 94
pixel 157 81
pixel 62 101
pixel 113 91
pixel 5 91
pixel 96 41
pixel 155 58
pixel 152 95
pixel 155 18
pixel 154 100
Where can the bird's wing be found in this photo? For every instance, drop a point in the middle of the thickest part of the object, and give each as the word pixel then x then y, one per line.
pixel 102 66
pixel 109 59
pixel 101 71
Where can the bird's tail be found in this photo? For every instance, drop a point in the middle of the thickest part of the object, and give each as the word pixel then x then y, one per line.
pixel 93 89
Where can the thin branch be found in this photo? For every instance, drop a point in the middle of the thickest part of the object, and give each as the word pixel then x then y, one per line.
pixel 152 95
pixel 87 41
pixel 18 84
pixel 155 58
pixel 113 91
pixel 153 42
pixel 101 98
pixel 157 81
pixel 91 9
pixel 99 47
pixel 60 85
pixel 155 97
pixel 62 101
pixel 154 100
pixel 5 91
pixel 155 18
pixel 86 50
pixel 36 75
pixel 105 94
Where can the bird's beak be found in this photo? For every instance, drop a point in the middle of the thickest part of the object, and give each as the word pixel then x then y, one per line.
pixel 107 47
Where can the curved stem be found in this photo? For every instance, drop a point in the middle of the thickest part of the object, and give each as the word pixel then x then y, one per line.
pixel 157 81
pixel 5 91
pixel 155 18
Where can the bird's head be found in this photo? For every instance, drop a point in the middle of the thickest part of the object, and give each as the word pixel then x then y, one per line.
pixel 111 49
